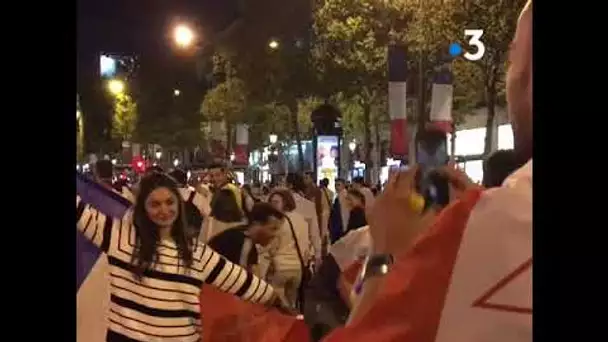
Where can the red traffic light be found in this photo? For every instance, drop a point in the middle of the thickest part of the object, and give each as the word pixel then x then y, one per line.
pixel 138 164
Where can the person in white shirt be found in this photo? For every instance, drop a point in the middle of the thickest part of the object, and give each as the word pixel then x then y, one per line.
pixel 201 202
pixel 307 209
pixel 278 259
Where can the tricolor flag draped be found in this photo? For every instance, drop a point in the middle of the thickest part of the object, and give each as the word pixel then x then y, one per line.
pixel 92 285
pixel 229 319
pixel 468 278
pixel 397 73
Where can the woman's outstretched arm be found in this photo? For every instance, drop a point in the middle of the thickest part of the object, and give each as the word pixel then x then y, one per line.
pixel 212 268
pixel 94 225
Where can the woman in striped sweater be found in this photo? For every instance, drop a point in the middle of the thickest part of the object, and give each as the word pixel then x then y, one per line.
pixel 156 273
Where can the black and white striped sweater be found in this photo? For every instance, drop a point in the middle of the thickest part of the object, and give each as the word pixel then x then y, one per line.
pixel 164 305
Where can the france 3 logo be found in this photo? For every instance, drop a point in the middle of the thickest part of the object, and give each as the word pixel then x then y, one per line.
pixel 474 42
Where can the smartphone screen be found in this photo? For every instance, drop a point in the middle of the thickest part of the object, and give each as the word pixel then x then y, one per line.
pixel 431 154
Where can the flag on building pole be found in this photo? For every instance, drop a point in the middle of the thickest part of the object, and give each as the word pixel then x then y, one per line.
pixel 442 99
pixel 241 152
pixel 92 285
pixel 397 71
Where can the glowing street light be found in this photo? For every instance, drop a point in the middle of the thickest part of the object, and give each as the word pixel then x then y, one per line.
pixel 176 162
pixel 183 36
pixel 352 146
pixel 232 156
pixel 176 92
pixel 116 87
pixel 159 154
pixel 273 44
pixel 78 114
pixel 273 138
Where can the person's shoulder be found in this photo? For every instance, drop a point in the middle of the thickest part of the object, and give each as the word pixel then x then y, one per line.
pixel 509 203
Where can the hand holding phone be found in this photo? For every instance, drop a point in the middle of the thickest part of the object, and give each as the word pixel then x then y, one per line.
pixel 431 155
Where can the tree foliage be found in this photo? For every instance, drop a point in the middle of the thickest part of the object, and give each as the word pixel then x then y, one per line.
pixel 476 83
pixel 350 54
pixel 125 118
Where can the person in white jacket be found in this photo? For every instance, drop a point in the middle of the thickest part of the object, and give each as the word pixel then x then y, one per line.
pixel 307 209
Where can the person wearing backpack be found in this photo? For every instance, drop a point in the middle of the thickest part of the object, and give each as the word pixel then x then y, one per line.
pixel 197 206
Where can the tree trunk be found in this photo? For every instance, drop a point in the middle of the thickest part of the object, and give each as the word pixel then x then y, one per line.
pixel 295 125
pixel 367 142
pixel 490 119
pixel 378 152
pixel 228 140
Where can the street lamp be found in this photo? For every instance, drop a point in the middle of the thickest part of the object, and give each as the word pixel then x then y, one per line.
pixel 176 162
pixel 273 44
pixel 159 154
pixel 176 92
pixel 352 146
pixel 116 87
pixel 183 36
pixel 273 138
pixel 232 156
pixel 78 114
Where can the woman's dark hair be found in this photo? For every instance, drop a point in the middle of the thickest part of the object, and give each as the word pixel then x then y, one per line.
pixel 357 194
pixel 289 203
pixel 146 231
pixel 324 182
pixel 225 208
pixel 262 212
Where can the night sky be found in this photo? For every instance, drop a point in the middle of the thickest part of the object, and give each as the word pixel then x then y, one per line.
pixel 141 28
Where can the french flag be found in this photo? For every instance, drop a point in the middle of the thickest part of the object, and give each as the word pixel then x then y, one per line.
pixel 397 109
pixel 92 287
pixel 442 99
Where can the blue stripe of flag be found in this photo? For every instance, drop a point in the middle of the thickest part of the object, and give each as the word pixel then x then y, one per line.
pixel 107 202
pixel 443 76
pixel 86 257
pixel 397 63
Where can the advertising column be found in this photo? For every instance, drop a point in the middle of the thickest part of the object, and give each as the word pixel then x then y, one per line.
pixel 327 158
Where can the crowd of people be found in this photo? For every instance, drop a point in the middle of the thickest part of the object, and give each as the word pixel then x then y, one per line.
pixel 356 264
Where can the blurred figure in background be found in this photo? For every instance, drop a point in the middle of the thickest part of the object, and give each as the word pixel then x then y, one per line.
pixel 313 194
pixel 340 212
pixel 327 198
pixel 225 214
pixel 498 167
pixel 219 177
pixel 356 203
pixel 283 201
pixel 359 184
pixel 307 209
pixel 103 173
pixel 196 207
pixel 248 198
